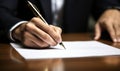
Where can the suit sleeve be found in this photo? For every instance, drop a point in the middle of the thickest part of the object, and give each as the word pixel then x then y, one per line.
pixel 101 5
pixel 7 16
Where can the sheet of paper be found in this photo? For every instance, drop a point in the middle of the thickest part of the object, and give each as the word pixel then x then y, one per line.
pixel 73 49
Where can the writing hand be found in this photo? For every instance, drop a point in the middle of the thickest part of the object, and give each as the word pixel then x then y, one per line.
pixel 36 33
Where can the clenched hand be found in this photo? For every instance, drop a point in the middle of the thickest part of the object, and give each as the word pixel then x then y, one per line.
pixel 37 34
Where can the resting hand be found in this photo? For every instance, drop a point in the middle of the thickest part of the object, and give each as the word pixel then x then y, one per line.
pixel 110 21
pixel 36 33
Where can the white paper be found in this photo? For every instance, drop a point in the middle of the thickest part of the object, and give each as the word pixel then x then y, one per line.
pixel 73 49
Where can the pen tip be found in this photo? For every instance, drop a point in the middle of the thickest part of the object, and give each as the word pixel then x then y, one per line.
pixel 62 45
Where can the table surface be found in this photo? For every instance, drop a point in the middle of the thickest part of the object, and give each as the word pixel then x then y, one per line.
pixel 10 60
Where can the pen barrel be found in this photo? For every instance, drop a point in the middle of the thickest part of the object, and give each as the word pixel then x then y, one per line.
pixel 36 11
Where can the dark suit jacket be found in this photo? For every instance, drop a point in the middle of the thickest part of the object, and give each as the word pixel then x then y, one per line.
pixel 75 13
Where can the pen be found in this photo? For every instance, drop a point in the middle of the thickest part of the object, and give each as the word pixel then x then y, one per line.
pixel 37 13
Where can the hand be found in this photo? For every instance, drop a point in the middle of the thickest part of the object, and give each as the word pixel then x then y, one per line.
pixel 36 33
pixel 110 21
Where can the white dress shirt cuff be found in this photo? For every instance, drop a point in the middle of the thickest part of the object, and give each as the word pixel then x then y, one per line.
pixel 16 25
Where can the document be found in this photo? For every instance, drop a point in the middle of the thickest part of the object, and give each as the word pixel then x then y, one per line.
pixel 74 49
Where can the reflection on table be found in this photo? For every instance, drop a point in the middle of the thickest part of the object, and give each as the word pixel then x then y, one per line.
pixel 10 60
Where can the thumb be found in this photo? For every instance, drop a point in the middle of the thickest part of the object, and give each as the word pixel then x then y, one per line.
pixel 97 31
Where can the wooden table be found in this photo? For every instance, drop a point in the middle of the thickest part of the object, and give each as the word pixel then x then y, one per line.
pixel 10 60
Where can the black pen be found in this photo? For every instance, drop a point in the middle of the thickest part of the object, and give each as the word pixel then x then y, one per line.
pixel 37 13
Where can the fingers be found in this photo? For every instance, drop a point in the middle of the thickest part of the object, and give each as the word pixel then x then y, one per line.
pixel 109 21
pixel 33 41
pixel 40 34
pixel 57 35
pixel 112 28
pixel 97 31
pixel 51 30
pixel 106 25
pixel 111 31
pixel 117 32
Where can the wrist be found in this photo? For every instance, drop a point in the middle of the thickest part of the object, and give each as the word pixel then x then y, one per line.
pixel 19 32
pixel 12 30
